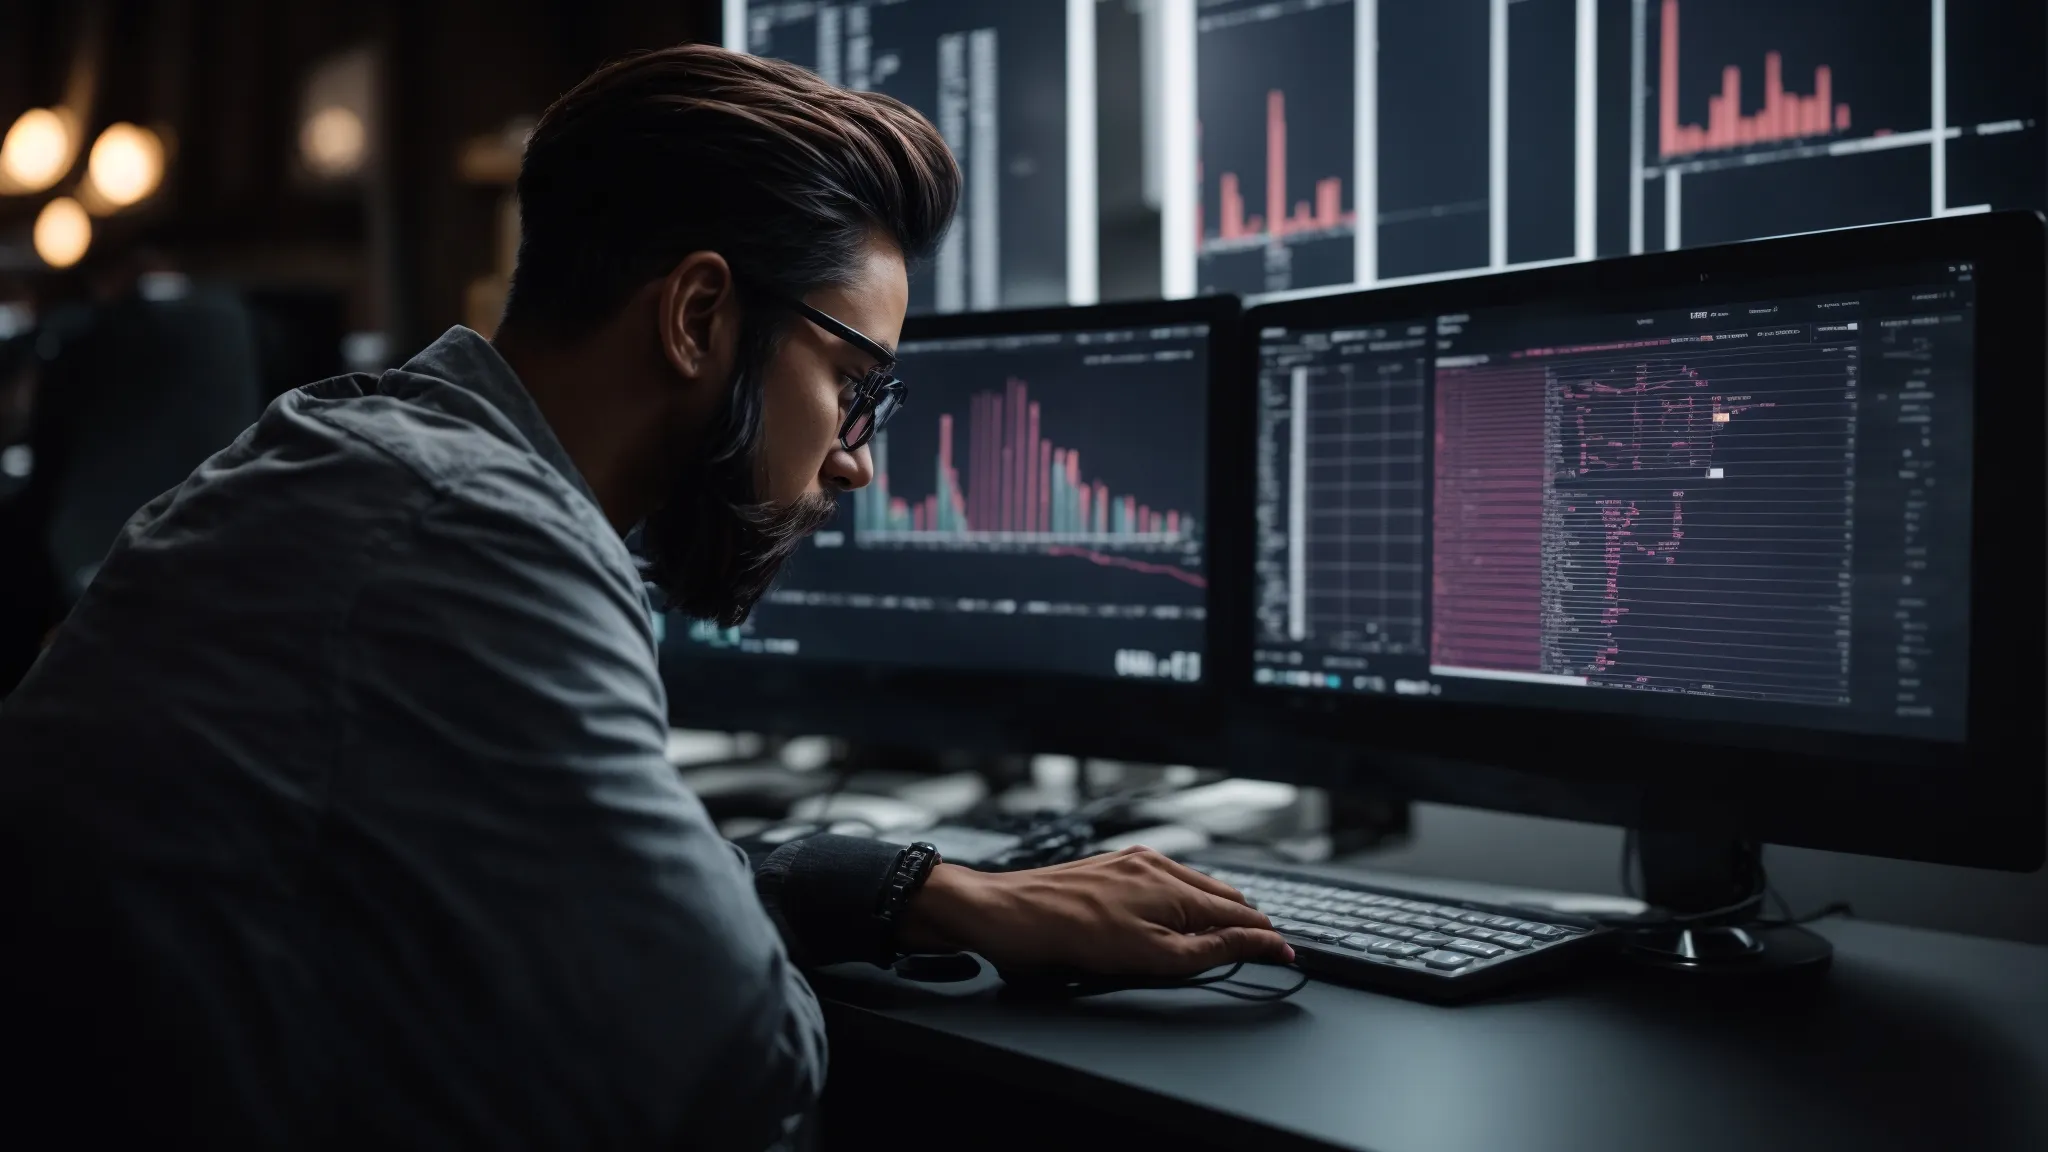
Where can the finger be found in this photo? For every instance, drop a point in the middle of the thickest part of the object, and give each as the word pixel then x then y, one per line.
pixel 1190 955
pixel 1205 912
pixel 1202 880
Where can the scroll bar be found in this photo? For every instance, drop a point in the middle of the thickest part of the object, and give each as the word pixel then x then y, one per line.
pixel 1297 506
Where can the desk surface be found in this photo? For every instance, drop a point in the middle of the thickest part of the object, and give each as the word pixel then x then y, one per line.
pixel 1916 1038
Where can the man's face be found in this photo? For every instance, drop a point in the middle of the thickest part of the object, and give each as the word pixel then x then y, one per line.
pixel 714 560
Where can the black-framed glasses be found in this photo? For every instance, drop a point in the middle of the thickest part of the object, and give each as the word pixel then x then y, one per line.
pixel 879 394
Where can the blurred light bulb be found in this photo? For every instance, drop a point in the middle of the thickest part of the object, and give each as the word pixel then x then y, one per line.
pixel 126 165
pixel 63 232
pixel 37 150
pixel 333 141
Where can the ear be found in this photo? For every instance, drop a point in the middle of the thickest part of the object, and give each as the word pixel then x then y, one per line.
pixel 699 319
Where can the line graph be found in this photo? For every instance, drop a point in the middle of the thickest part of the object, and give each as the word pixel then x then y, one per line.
pixel 1101 559
pixel 1690 516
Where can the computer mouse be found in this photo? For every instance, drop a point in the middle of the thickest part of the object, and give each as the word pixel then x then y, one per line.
pixel 950 968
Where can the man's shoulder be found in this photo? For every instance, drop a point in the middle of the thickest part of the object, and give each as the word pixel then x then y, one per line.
pixel 442 439
pixel 441 447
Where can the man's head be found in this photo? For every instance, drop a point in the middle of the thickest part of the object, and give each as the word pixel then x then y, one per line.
pixel 672 206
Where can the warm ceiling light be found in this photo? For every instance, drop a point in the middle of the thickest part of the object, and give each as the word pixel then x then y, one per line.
pixel 37 151
pixel 63 232
pixel 126 165
pixel 333 141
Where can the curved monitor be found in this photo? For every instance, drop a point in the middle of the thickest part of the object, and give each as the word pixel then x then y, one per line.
pixel 1745 538
pixel 1031 567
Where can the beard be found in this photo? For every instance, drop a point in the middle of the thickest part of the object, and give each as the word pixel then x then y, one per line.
pixel 714 557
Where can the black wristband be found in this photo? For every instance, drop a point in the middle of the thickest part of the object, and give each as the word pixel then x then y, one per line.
pixel 912 868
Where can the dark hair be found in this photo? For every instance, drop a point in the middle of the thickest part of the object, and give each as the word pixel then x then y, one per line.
pixel 697 148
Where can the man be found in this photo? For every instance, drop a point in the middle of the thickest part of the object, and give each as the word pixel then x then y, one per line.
pixel 345 780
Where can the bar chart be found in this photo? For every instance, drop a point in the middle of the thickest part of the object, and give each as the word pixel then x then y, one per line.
pixel 1038 504
pixel 1757 118
pixel 1021 491
pixel 1784 115
pixel 1235 230
pixel 1277 206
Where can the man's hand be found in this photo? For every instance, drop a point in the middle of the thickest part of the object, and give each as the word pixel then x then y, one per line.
pixel 1128 913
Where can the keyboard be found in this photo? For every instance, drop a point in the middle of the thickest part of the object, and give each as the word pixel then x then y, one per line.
pixel 1407 944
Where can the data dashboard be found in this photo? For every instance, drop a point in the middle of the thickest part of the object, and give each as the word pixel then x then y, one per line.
pixel 1752 508
pixel 1038 507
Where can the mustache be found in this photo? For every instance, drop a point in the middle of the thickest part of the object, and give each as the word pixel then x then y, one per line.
pixel 774 533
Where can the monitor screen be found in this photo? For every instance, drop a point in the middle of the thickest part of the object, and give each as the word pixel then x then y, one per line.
pixel 1311 143
pixel 1746 503
pixel 1037 507
pixel 1010 86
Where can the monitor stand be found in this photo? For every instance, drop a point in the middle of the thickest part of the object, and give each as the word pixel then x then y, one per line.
pixel 1711 889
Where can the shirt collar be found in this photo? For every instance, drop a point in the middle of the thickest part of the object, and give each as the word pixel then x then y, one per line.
pixel 462 356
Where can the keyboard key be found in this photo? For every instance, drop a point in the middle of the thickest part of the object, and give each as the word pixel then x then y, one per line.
pixel 1472 933
pixel 1396 948
pixel 1420 921
pixel 1546 931
pixel 1477 947
pixel 1359 941
pixel 1400 933
pixel 1514 940
pixel 1416 906
pixel 1312 932
pixel 1448 912
pixel 1432 939
pixel 1479 918
pixel 1444 960
pixel 1508 922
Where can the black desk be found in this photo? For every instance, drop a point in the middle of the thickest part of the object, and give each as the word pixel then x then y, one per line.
pixel 1915 1039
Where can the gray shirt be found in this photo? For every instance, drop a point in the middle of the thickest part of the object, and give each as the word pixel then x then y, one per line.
pixel 360 731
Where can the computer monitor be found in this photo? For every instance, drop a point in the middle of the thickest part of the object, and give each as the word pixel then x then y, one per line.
pixel 1344 142
pixel 1743 541
pixel 1012 88
pixel 1029 569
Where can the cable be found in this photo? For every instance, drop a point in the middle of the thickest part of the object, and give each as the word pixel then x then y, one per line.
pixel 1838 908
pixel 1749 906
pixel 1075 985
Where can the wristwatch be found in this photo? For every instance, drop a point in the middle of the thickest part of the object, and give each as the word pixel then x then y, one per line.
pixel 912 868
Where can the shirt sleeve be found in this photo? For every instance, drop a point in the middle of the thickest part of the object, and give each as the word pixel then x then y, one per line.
pixel 822 892
pixel 533 908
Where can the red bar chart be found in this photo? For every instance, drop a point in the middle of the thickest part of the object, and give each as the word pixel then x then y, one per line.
pixel 1784 115
pixel 1325 213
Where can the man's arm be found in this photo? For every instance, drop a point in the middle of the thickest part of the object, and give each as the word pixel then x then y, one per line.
pixel 544 907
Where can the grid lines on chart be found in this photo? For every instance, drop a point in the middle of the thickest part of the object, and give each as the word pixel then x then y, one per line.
pixel 1366 541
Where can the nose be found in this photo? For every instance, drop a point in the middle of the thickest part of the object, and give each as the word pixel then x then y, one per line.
pixel 845 471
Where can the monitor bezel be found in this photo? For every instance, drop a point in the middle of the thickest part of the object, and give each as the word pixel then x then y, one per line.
pixel 1979 802
pixel 1004 712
